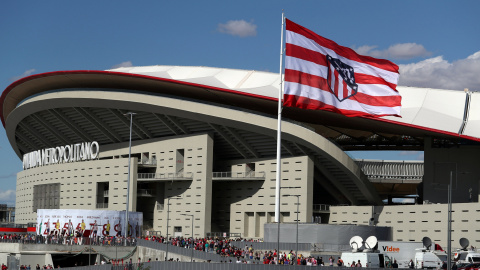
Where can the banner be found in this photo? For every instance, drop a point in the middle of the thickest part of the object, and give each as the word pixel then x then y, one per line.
pixel 89 223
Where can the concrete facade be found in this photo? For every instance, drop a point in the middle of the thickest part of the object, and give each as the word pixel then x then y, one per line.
pixel 463 162
pixel 238 205
pixel 329 237
pixel 413 222
pixel 251 204
pixel 430 216
pixel 79 183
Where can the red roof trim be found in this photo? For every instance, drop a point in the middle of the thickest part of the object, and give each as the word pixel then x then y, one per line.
pixel 425 128
pixel 55 73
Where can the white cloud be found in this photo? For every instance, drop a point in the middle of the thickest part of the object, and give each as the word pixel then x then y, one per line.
pixel 397 51
pixel 239 28
pixel 24 74
pixel 364 50
pixel 407 51
pixel 123 64
pixel 7 196
pixel 438 73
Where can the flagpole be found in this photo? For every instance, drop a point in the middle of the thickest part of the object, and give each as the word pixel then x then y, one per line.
pixel 279 142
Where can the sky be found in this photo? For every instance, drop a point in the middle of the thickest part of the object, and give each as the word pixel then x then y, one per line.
pixel 435 43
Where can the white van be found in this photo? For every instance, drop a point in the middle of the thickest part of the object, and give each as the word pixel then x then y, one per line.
pixel 425 259
pixel 367 259
pixel 467 256
pixel 402 252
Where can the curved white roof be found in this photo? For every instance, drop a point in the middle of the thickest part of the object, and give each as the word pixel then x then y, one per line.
pixel 247 81
pixel 436 110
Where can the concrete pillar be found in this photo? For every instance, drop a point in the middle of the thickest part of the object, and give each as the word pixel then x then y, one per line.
pixel 49 260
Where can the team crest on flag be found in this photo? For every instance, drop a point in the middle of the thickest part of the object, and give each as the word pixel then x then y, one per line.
pixel 341 79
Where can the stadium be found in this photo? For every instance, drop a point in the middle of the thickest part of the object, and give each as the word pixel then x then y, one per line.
pixel 203 143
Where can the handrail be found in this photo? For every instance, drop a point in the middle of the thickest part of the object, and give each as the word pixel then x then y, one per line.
pixel 102 205
pixel 160 206
pixel 215 175
pixel 151 161
pixel 250 174
pixel 321 207
pixel 388 169
pixel 148 192
pixel 180 175
pixel 70 240
pixel 223 234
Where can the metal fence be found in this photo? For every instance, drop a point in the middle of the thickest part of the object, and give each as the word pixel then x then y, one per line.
pixel 146 161
pixel 390 169
pixel 70 240
pixel 321 207
pixel 182 251
pixel 201 266
pixel 224 234
pixel 102 205
pixel 229 175
pixel 205 256
pixel 272 245
pixel 13 225
pixel 179 175
pixel 319 247
pixel 145 192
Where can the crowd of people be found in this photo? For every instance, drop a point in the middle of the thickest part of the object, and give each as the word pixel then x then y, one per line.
pixel 38 267
pixel 223 247
pixel 28 267
pixel 234 254
pixel 68 239
pixel 219 246
pixel 270 257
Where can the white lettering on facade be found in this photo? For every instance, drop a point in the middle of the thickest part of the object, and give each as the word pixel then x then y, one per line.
pixel 61 154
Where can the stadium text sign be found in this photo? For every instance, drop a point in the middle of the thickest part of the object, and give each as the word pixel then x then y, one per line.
pixel 61 154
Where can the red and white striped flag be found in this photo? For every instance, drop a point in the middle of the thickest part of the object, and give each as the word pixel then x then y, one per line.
pixel 322 75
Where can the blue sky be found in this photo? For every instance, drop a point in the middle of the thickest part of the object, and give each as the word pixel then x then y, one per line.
pixel 436 43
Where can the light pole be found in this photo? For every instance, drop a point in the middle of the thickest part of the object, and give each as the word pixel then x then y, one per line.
pixel 90 242
pixel 449 235
pixel 168 217
pixel 278 225
pixel 128 179
pixel 298 203
pixel 192 217
pixel 449 219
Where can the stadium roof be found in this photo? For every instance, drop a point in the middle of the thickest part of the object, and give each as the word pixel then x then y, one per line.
pixel 437 112
pixel 448 116
pixel 64 107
